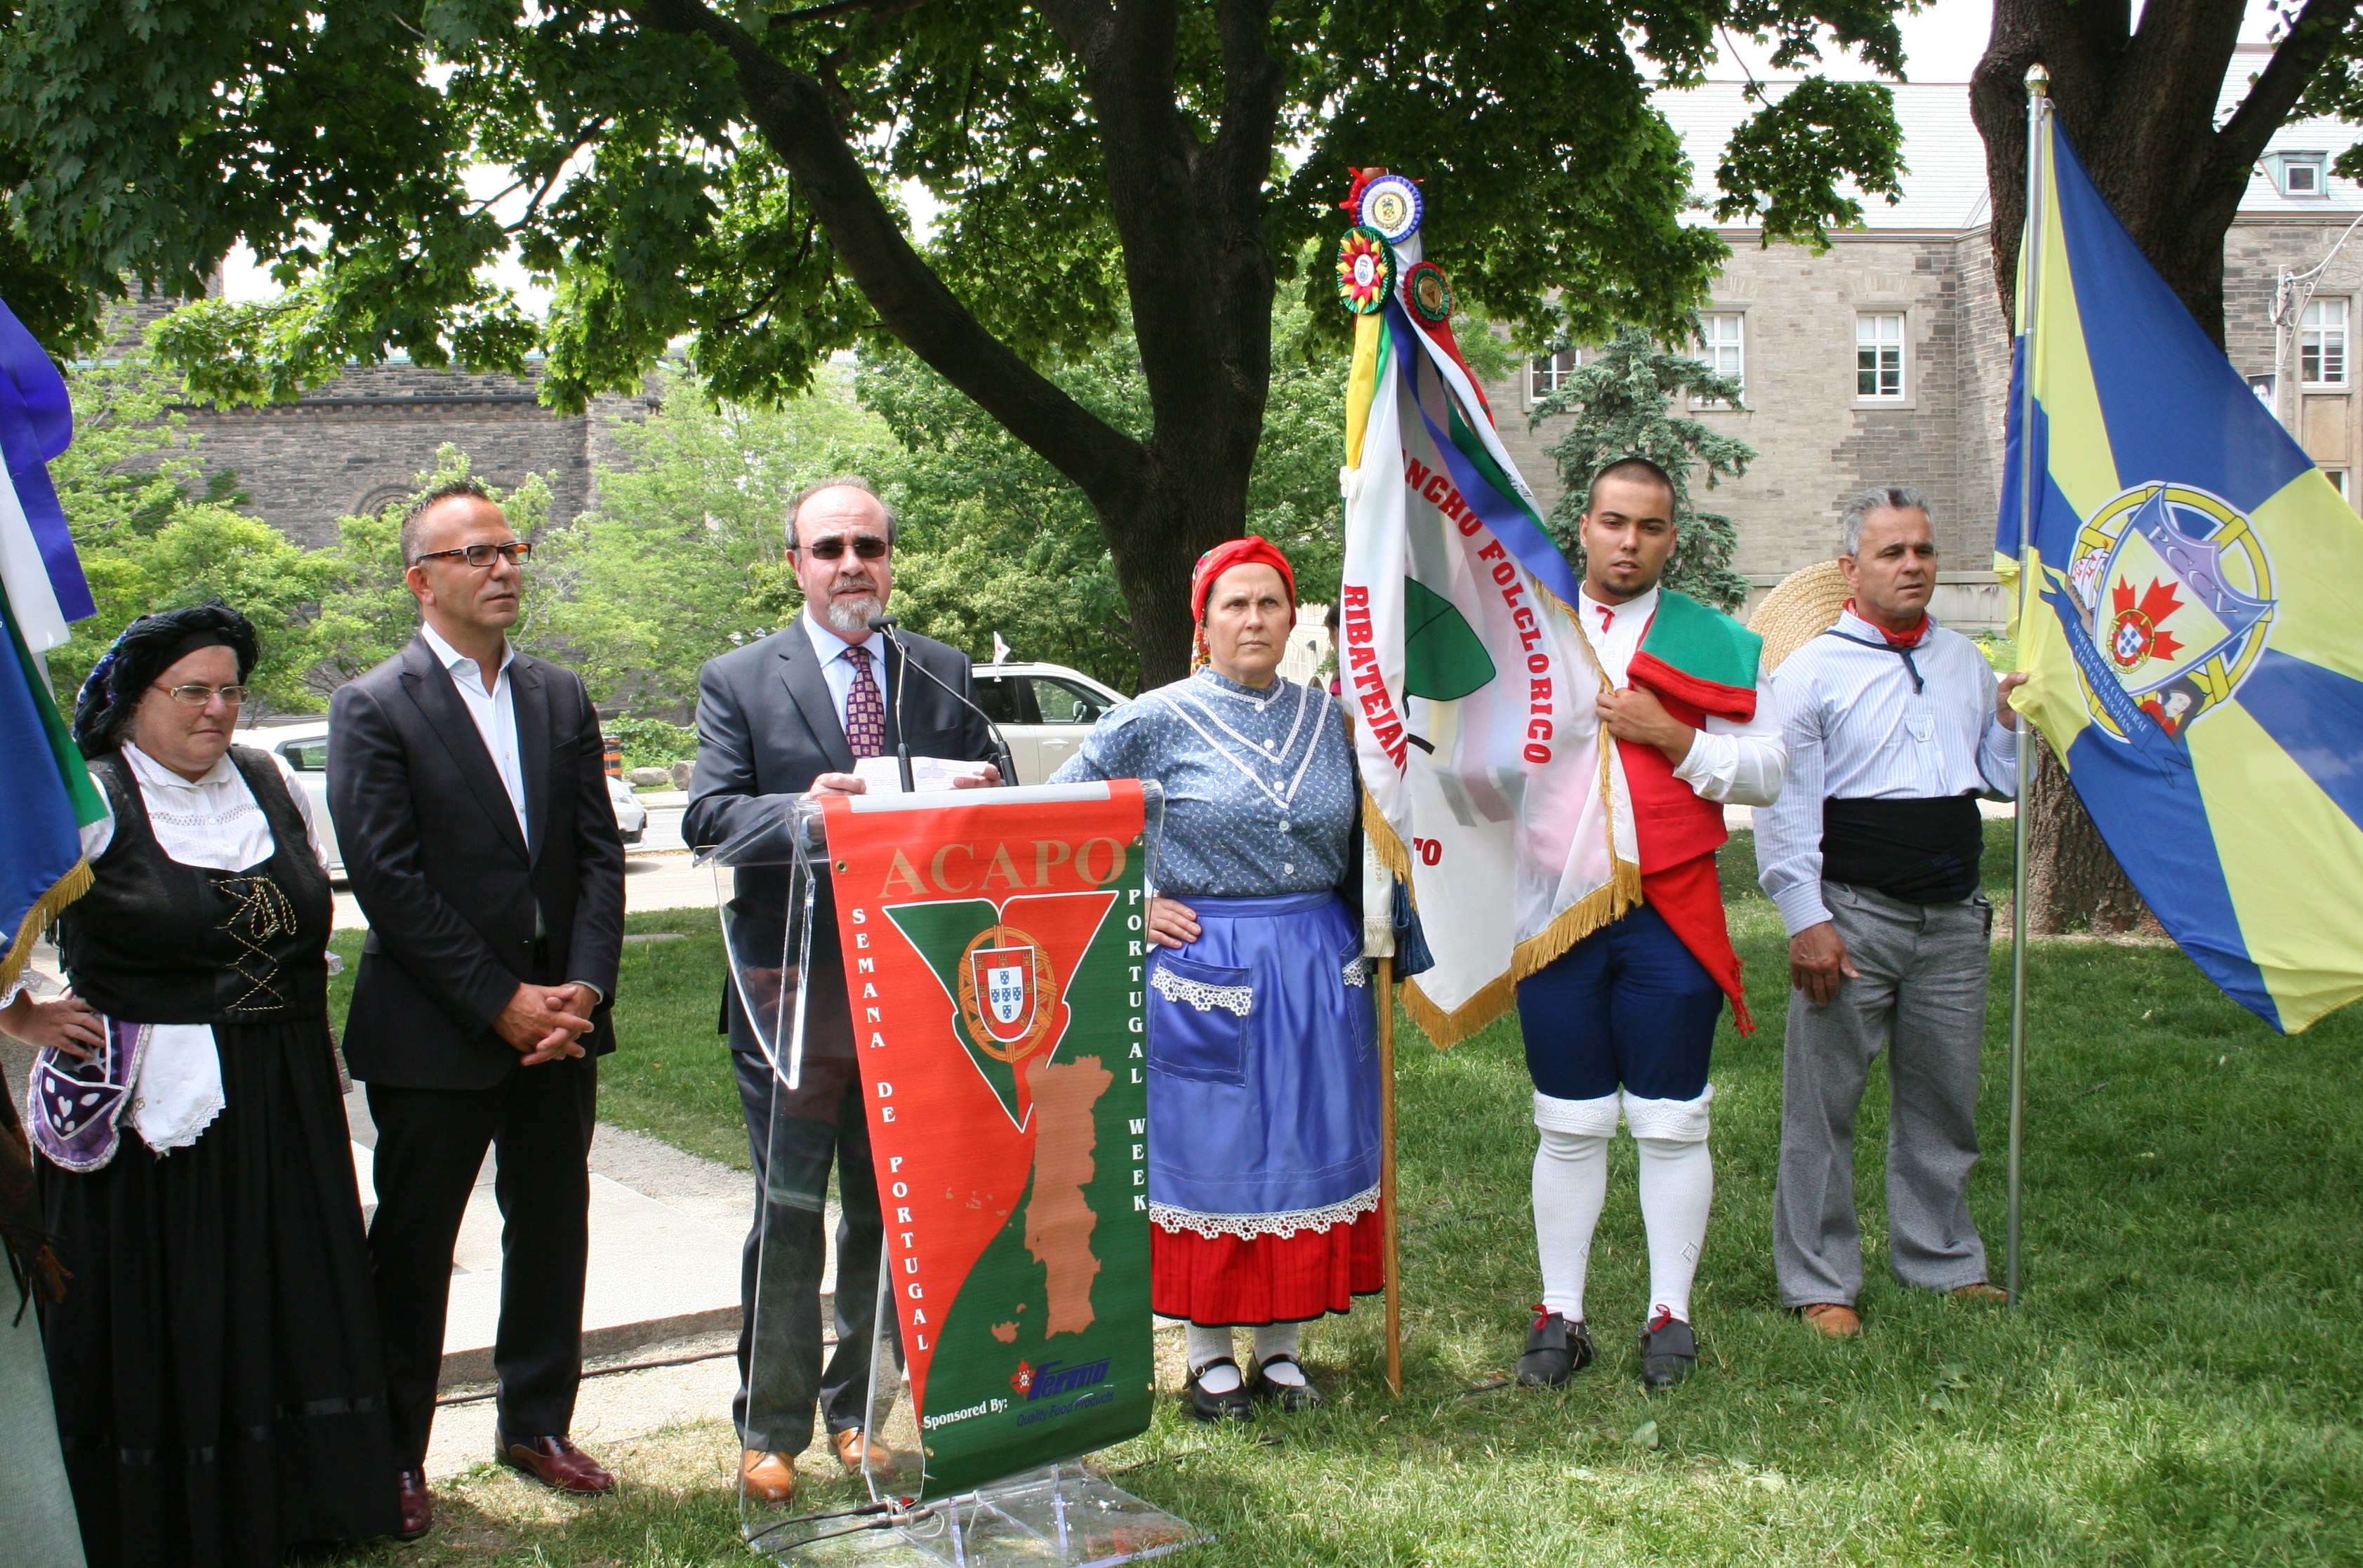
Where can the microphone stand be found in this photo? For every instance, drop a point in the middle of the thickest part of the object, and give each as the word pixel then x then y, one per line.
pixel 889 626
pixel 901 739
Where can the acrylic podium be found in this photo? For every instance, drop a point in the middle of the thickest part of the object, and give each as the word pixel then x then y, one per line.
pixel 987 1041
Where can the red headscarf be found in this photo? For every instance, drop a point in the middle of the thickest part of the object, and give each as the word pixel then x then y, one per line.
pixel 1253 550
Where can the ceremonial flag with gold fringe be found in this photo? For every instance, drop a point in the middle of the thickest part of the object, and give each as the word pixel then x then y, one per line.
pixel 1491 787
pixel 48 797
pixel 2194 649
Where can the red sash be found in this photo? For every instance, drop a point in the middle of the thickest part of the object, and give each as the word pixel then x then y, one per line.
pixel 1677 832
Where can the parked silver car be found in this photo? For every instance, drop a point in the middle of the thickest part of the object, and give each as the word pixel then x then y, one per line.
pixel 304 746
pixel 1044 712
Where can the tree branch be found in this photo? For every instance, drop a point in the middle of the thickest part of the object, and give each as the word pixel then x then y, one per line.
pixel 1252 84
pixel 2282 81
pixel 794 113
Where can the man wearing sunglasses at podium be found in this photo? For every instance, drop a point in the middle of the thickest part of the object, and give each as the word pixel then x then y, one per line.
pixel 780 718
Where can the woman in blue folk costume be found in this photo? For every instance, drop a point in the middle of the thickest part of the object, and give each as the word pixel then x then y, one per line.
pixel 1263 1075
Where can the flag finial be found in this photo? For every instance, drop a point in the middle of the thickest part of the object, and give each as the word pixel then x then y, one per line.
pixel 2038 81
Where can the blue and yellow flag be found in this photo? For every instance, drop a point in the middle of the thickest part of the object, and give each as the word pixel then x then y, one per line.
pixel 2195 652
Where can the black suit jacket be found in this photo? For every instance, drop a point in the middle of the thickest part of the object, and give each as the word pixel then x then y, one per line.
pixel 448 884
pixel 766 728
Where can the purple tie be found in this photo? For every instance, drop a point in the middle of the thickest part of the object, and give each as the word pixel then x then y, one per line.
pixel 865 711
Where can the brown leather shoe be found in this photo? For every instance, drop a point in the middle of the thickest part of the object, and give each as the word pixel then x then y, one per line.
pixel 850 1445
pixel 553 1462
pixel 1981 1291
pixel 1832 1319
pixel 417 1505
pixel 768 1477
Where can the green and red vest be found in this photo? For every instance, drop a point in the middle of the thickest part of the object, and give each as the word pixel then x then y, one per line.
pixel 1698 662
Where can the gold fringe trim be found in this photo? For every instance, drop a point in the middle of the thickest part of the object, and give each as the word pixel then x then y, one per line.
pixel 67 888
pixel 1446 1030
pixel 1383 843
pixel 1604 905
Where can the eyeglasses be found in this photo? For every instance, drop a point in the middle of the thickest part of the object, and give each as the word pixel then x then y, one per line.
pixel 197 694
pixel 481 555
pixel 868 546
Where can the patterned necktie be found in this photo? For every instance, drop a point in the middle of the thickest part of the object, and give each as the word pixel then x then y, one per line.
pixel 865 710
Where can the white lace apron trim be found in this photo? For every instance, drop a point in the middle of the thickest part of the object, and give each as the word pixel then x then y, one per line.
pixel 1234 1000
pixel 1357 973
pixel 1248 1227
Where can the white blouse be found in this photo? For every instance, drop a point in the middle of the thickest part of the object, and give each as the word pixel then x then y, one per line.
pixel 214 820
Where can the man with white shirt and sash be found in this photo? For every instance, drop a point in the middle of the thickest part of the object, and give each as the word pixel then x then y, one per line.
pixel 1894 727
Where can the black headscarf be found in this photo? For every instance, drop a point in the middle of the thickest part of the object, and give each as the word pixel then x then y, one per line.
pixel 148 648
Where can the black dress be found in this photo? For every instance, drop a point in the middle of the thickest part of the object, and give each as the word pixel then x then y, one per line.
pixel 216 1363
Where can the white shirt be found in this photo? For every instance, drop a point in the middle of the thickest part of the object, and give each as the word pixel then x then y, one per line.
pixel 838 670
pixel 1728 763
pixel 214 820
pixel 494 712
pixel 1858 731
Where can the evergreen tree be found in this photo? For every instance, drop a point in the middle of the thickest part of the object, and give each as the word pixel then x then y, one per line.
pixel 1622 404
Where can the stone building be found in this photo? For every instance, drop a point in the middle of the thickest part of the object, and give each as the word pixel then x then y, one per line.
pixel 1886 358
pixel 362 440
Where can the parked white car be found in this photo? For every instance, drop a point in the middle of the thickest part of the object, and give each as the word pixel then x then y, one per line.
pixel 1044 712
pixel 304 746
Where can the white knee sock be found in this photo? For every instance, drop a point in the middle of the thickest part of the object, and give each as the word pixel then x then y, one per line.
pixel 1677 1190
pixel 1570 1184
pixel 1279 1338
pixel 1212 1344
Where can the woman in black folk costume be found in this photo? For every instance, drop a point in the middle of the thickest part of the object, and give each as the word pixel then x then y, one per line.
pixel 215 1361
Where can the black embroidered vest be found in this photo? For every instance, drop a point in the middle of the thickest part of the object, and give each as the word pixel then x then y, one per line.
pixel 157 941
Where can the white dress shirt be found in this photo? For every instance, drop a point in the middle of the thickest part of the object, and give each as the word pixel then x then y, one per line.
pixel 1729 763
pixel 838 670
pixel 494 712
pixel 1856 730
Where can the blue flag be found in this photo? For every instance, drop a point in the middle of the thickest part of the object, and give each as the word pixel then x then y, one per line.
pixel 2194 649
pixel 49 797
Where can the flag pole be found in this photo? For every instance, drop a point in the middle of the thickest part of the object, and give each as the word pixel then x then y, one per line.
pixel 1387 1173
pixel 2038 109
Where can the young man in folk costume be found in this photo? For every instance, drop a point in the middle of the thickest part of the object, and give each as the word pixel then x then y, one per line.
pixel 1623 1020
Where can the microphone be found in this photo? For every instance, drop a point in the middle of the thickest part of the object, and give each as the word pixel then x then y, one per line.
pixel 892 629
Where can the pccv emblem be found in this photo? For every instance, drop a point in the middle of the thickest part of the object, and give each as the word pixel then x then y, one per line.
pixel 2175 597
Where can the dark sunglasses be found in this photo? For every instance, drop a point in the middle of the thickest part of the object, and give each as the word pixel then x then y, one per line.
pixel 868 546
pixel 481 555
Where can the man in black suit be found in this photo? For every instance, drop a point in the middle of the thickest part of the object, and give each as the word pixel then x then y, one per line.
pixel 782 717
pixel 467 791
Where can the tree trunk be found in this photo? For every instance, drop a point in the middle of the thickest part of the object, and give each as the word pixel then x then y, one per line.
pixel 2138 106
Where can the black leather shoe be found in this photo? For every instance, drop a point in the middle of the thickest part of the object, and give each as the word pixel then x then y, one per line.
pixel 1234 1405
pixel 1669 1352
pixel 1556 1350
pixel 1287 1396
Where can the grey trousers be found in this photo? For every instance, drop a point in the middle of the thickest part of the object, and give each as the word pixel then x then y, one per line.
pixel 1922 998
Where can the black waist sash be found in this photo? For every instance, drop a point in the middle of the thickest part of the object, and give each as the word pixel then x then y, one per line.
pixel 1923 852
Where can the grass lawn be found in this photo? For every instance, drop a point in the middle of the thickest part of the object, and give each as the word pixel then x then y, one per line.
pixel 2179 1387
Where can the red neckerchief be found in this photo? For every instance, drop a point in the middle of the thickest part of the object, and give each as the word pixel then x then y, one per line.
pixel 1910 639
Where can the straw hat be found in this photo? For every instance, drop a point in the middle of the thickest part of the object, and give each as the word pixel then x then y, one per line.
pixel 1804 605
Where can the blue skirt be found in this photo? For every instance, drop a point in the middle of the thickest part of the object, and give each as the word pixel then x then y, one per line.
pixel 1263 1071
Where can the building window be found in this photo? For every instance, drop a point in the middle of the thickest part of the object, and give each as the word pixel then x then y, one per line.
pixel 1879 355
pixel 2301 173
pixel 1723 346
pixel 2322 344
pixel 1551 372
pixel 2337 478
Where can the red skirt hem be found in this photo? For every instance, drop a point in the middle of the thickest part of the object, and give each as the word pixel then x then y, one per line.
pixel 1248 1282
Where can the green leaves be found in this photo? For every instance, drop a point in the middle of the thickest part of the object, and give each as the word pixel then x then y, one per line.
pixel 1783 168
